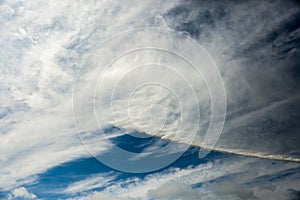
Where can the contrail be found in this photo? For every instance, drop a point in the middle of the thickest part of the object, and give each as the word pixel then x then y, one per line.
pixel 250 154
pixel 227 151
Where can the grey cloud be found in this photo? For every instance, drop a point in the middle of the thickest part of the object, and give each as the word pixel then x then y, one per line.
pixel 256 46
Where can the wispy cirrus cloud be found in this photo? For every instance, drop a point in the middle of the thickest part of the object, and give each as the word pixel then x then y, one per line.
pixel 227 178
pixel 44 44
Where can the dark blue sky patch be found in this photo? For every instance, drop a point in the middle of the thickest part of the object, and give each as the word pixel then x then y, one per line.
pixel 51 183
pixel 137 145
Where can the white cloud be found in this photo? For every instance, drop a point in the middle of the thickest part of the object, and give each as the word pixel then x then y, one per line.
pixel 227 178
pixel 43 44
pixel 38 69
pixel 21 192
pixel 253 102
pixel 94 182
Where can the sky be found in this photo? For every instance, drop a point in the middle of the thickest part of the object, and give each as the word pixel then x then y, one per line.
pixel 217 75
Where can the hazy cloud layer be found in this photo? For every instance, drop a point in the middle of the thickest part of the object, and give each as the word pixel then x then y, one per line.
pixel 255 45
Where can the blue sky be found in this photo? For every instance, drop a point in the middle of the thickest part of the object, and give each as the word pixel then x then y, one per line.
pixel 235 61
pixel 89 178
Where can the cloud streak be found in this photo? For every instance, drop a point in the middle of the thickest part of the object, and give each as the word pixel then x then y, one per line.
pixel 227 178
pixel 43 45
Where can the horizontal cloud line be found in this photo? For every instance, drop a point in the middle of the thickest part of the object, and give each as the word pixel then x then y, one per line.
pixel 232 151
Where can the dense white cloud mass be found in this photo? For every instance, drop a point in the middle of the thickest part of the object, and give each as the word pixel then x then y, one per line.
pixel 261 101
pixel 43 45
pixel 21 193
